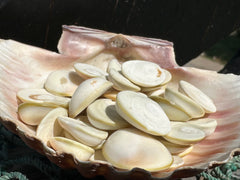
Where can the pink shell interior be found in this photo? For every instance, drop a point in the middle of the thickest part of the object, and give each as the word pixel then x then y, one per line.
pixel 24 66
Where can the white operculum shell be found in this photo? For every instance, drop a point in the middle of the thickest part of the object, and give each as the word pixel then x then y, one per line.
pixel 184 133
pixel 103 115
pixel 87 71
pixel 154 88
pixel 143 73
pixel 41 96
pixel 129 148
pixel 99 158
pixel 156 93
pixel 120 82
pixel 49 127
pixel 167 79
pixel 172 111
pixel 32 114
pixel 86 93
pixel 82 132
pixel 114 64
pixel 198 96
pixel 76 149
pixel 208 125
pixel 185 103
pixel 62 82
pixel 142 112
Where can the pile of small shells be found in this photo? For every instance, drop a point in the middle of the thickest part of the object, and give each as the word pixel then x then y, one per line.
pixel 126 117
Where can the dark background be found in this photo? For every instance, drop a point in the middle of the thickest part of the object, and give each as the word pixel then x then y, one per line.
pixel 193 26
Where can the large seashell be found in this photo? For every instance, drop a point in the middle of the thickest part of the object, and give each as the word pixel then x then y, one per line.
pixel 24 66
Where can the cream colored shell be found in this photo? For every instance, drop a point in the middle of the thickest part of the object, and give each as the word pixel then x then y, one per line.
pixel 102 114
pixel 143 73
pixel 185 103
pixel 87 71
pixel 85 134
pixel 49 127
pixel 198 96
pixel 32 114
pixel 129 148
pixel 121 83
pixel 42 97
pixel 76 149
pixel 184 133
pixel 88 91
pixel 142 112
pixel 62 82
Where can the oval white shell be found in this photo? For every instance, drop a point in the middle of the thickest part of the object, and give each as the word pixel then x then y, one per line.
pixel 86 93
pixel 143 73
pixel 129 148
pixel 142 112
pixel 102 114
pixel 62 82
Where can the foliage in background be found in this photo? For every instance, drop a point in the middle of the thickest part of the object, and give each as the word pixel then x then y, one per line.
pixel 226 48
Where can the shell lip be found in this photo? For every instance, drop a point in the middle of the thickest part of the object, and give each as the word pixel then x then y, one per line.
pixel 73 28
pixel 155 41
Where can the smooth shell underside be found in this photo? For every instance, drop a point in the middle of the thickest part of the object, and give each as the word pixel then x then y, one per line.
pixel 24 66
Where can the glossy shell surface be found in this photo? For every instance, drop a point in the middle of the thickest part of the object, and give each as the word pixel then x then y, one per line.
pixel 24 66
